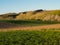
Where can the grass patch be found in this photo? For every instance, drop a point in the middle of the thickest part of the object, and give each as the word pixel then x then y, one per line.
pixel 30 38
pixel 30 22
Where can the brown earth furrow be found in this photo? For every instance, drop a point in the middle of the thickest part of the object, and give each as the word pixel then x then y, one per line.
pixel 56 26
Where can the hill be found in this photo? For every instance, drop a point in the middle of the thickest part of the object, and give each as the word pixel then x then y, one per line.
pixel 8 16
pixel 44 15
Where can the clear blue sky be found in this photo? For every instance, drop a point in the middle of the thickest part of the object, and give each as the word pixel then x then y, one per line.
pixel 7 6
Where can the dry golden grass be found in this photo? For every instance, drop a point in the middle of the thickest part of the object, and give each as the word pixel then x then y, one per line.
pixel 44 15
pixel 32 15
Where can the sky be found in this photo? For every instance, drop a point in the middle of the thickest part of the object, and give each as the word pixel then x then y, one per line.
pixel 11 6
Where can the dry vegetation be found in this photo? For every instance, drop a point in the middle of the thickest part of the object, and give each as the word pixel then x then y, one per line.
pixel 52 15
pixel 45 15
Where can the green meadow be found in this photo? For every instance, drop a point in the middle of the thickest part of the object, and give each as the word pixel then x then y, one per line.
pixel 30 37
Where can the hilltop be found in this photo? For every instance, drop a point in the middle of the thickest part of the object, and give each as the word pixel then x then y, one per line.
pixel 44 15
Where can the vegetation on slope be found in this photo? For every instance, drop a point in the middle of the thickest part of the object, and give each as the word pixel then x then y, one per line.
pixel 44 15
pixel 52 15
pixel 8 16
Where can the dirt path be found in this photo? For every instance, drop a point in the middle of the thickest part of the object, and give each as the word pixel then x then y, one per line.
pixel 56 26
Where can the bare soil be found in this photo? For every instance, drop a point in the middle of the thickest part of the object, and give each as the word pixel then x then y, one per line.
pixel 6 26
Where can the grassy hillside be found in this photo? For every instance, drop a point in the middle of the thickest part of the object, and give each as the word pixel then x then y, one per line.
pixel 8 16
pixel 52 15
pixel 44 15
